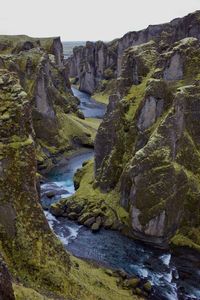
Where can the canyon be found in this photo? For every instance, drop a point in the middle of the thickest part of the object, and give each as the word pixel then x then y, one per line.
pixel 125 115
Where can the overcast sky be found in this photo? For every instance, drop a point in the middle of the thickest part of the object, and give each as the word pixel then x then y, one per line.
pixel 87 19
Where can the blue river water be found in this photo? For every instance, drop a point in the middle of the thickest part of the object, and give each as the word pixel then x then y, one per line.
pixel 173 277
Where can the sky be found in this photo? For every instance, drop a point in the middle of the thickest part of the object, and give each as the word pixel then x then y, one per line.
pixel 80 20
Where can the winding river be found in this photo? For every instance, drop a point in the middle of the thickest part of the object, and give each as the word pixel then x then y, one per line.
pixel 173 277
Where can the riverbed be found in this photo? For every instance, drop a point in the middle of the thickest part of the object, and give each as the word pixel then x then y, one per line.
pixel 173 277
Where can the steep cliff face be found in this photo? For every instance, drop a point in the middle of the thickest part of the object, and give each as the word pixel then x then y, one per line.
pixel 164 34
pixel 148 142
pixel 27 242
pixel 92 63
pixel 40 68
pixel 102 61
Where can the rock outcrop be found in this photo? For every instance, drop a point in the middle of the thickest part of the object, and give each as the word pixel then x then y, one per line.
pixel 103 61
pixel 43 75
pixel 92 63
pixel 26 239
pixel 148 144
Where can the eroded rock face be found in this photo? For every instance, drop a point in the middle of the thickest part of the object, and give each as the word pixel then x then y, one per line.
pixel 168 33
pixel 151 110
pixel 106 143
pixel 42 101
pixel 26 238
pixel 161 187
pixel 90 63
pixel 57 50
pixel 147 138
pixel 175 69
pixel 43 76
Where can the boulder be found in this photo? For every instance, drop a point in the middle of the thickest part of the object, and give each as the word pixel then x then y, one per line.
pixel 147 286
pixel 131 283
pixel 89 222
pixel 97 224
pixel 95 227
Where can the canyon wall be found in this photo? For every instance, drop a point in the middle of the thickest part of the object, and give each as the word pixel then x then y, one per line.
pixel 146 166
pixel 148 143
pixel 40 67
pixel 27 243
pixel 99 61
pixel 93 62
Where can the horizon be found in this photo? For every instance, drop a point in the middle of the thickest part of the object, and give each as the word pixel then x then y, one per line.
pixel 90 21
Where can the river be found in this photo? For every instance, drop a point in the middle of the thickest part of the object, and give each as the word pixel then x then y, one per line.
pixel 173 277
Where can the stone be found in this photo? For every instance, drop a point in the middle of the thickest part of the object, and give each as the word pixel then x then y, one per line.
pixel 80 114
pixel 95 226
pixel 121 273
pixel 109 272
pixel 175 69
pixel 57 210
pixel 138 291
pixel 147 286
pixel 107 223
pixel 84 217
pixel 72 216
pixel 131 283
pixel 6 289
pixel 89 222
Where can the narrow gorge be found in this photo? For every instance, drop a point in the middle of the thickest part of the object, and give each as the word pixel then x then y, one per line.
pixel 99 166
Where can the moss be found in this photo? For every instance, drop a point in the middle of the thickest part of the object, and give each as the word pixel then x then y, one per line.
pixel 147 286
pixel 179 240
pixel 101 97
pixel 98 283
pixel 5 116
pixel 106 87
pixel 19 144
pixel 90 125
pixel 71 130
pixel 95 202
pixel 135 95
pixel 191 64
pixel 132 282
pixel 24 293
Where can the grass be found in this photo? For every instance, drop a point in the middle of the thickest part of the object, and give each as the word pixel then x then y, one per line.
pixel 71 127
pixel 23 293
pixel 101 97
pixel 90 124
pixel 179 240
pixel 136 95
pixel 98 284
pixel 13 40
